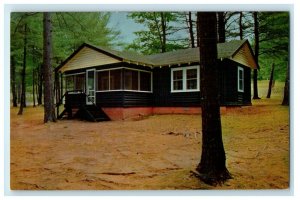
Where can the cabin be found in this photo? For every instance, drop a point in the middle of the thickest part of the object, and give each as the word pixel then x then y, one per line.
pixel 100 84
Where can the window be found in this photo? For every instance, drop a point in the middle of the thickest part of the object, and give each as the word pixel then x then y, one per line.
pixel 115 77
pixel 124 79
pixel 185 79
pixel 240 79
pixel 178 80
pixel 75 82
pixel 191 79
pixel 103 80
pixel 131 79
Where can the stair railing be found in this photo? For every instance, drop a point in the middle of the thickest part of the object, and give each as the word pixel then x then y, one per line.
pixel 60 102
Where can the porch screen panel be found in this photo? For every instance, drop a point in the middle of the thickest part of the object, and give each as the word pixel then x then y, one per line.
pixel 70 83
pixel 116 79
pixel 145 81
pixel 131 80
pixel 103 80
pixel 79 82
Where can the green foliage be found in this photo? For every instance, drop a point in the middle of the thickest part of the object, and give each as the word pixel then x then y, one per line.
pixel 274 43
pixel 69 31
pixel 151 39
pixel 273 38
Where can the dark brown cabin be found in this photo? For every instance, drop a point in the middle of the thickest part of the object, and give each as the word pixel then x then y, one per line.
pixel 101 84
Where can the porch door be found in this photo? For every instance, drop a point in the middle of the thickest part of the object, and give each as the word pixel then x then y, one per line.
pixel 90 86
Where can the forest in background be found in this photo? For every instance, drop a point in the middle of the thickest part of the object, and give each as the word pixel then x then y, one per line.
pixel 164 31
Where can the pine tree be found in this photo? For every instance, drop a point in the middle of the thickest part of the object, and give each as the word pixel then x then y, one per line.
pixel 49 110
pixel 212 167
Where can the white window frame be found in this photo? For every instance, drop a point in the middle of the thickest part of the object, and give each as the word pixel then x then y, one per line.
pixel 184 79
pixel 239 78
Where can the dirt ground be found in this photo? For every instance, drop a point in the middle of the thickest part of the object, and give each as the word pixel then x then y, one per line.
pixel 157 152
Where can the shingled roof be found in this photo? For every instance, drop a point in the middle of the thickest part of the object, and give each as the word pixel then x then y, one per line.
pixel 225 50
pixel 236 50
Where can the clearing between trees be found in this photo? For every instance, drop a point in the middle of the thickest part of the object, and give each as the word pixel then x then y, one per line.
pixel 157 152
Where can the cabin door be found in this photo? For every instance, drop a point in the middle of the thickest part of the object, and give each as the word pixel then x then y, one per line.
pixel 90 86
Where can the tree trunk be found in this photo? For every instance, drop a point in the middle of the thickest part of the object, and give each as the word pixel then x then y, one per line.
pixel 221 27
pixel 271 81
pixel 57 87
pixel 164 35
pixel 256 51
pixel 286 95
pixel 33 87
pixel 191 30
pixel 23 74
pixel 212 167
pixel 49 110
pixel 40 85
pixel 36 84
pixel 13 81
pixel 241 25
pixel 19 93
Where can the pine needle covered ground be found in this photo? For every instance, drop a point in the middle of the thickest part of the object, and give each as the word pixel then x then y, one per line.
pixel 157 152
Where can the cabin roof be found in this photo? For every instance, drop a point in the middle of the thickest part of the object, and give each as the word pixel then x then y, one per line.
pixel 236 50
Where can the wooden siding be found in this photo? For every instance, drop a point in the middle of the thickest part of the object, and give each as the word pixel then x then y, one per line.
pixel 86 58
pixel 124 99
pixel 137 99
pixel 109 99
pixel 229 94
pixel 162 95
pixel 245 57
pixel 228 85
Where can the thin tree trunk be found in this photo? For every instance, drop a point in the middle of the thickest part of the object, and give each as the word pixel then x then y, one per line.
pixel 19 93
pixel 164 35
pixel 191 30
pixel 23 73
pixel 241 25
pixel 61 86
pixel 36 84
pixel 33 87
pixel 57 87
pixel 271 81
pixel 221 27
pixel 256 50
pixel 286 95
pixel 13 81
pixel 49 110
pixel 40 86
pixel 198 31
pixel 212 167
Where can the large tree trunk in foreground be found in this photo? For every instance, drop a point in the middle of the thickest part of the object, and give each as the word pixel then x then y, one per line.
pixel 286 95
pixel 49 110
pixel 23 74
pixel 212 167
pixel 271 81
pixel 13 81
pixel 256 51
pixel 221 27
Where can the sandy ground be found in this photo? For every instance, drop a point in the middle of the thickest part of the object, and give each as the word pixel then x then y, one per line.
pixel 157 152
